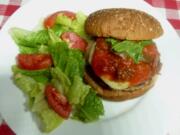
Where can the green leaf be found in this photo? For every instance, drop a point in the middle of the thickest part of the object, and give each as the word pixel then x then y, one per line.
pixel 59 52
pixel 72 68
pixel 59 29
pixel 78 55
pixel 76 25
pixel 27 38
pixel 35 93
pixel 43 49
pixel 74 64
pixel 64 20
pixel 25 83
pixel 134 49
pixel 62 78
pixel 28 50
pixel 56 83
pixel 70 61
pixel 91 110
pixel 41 79
pixel 31 50
pixel 78 91
pixel 50 119
pixel 54 39
pixel 45 72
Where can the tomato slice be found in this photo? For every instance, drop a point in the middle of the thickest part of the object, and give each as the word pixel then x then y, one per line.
pixel 50 20
pixel 34 61
pixel 57 101
pixel 74 40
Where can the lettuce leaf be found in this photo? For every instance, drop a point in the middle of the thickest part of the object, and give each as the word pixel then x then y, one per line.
pixel 54 39
pixel 77 91
pixel 50 120
pixel 91 110
pixel 66 74
pixel 41 79
pixel 31 50
pixel 76 55
pixel 37 102
pixel 25 83
pixel 59 53
pixel 62 78
pixel 76 25
pixel 74 90
pixel 59 29
pixel 131 48
pixel 69 71
pixel 44 72
pixel 70 61
pixel 27 38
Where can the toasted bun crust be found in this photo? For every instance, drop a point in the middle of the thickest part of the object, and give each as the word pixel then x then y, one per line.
pixel 122 23
pixel 119 95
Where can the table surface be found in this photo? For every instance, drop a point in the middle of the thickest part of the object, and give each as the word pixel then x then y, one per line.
pixel 169 9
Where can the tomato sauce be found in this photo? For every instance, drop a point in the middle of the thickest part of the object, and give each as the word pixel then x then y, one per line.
pixel 122 68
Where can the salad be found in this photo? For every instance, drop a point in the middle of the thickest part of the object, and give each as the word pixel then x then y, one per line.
pixel 49 71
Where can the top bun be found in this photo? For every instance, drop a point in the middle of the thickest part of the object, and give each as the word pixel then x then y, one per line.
pixel 122 23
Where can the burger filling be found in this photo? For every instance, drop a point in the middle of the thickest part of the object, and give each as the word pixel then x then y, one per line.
pixel 124 64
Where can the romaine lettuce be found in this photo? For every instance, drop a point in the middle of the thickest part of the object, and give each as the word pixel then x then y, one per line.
pixel 70 61
pixel 37 103
pixel 27 38
pixel 62 78
pixel 132 48
pixel 76 25
pixel 66 74
pixel 77 91
pixel 59 29
pixel 91 110
pixel 44 72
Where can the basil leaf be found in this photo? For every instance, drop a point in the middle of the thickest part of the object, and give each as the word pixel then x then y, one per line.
pixel 133 49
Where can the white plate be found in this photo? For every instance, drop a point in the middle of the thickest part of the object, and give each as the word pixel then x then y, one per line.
pixel 157 114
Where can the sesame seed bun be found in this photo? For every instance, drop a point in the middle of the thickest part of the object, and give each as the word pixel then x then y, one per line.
pixel 122 23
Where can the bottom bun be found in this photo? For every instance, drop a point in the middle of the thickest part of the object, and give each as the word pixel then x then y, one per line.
pixel 119 95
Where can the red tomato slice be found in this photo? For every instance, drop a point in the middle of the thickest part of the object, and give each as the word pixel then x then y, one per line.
pixel 57 101
pixel 74 40
pixel 34 61
pixel 50 20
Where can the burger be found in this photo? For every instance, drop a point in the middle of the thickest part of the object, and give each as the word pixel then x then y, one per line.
pixel 123 60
